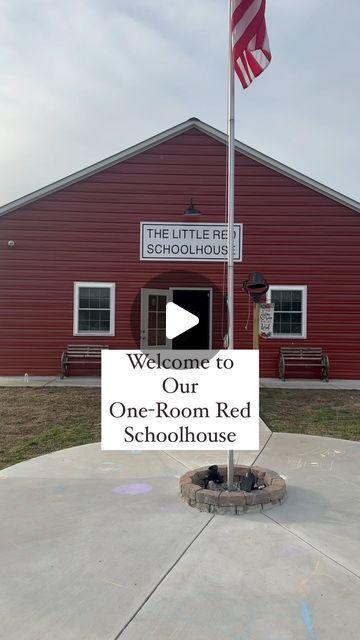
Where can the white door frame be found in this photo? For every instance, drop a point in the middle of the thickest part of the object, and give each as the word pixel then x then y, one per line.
pixel 210 304
pixel 144 309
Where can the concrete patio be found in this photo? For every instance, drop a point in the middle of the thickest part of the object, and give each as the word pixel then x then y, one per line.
pixel 98 546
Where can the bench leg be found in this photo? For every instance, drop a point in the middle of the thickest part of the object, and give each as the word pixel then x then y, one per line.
pixel 325 368
pixel 282 368
pixel 64 365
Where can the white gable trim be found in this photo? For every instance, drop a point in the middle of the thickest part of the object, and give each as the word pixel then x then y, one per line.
pixel 163 137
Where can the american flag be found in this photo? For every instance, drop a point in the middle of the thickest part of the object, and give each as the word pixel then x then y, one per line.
pixel 250 42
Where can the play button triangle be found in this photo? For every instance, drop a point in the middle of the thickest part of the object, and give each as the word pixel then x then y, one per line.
pixel 178 320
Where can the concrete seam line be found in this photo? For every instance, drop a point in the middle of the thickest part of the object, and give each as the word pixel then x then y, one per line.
pixel 356 575
pixel 162 579
pixel 49 382
pixel 176 460
pixel 262 449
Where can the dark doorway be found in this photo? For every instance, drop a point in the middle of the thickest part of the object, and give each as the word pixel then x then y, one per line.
pixel 196 301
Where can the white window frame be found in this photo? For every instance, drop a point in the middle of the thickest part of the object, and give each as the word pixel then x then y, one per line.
pixel 102 285
pixel 291 287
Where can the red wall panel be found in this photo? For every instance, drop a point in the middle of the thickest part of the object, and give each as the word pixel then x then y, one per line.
pixel 90 232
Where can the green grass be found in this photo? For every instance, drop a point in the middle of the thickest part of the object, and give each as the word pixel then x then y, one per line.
pixel 53 439
pixel 327 412
pixel 37 421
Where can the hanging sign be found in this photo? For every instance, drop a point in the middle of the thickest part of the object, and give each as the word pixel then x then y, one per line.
pixel 188 242
pixel 266 322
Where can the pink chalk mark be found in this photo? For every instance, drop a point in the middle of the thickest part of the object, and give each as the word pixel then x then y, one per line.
pixel 132 489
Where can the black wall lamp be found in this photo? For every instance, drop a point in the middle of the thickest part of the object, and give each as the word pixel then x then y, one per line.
pixel 191 211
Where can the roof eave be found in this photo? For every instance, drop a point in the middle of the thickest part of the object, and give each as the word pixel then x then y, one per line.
pixel 168 135
pixel 282 168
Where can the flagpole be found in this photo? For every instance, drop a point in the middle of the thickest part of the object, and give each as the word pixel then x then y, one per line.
pixel 230 212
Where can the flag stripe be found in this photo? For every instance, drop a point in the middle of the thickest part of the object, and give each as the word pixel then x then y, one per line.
pixel 250 44
pixel 242 19
pixel 250 28
pixel 239 8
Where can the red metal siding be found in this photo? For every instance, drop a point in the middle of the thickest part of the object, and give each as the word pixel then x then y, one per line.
pixel 90 232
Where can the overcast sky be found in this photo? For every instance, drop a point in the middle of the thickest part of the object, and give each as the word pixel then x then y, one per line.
pixel 83 79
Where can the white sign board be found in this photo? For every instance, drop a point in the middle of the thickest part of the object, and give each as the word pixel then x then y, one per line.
pixel 266 323
pixel 188 242
pixel 189 400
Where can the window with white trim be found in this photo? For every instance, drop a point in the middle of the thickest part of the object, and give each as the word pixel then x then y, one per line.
pixel 290 310
pixel 94 309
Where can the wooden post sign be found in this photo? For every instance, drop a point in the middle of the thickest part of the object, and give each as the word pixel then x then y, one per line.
pixel 266 323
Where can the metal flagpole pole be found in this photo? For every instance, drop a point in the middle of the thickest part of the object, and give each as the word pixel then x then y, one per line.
pixel 251 54
pixel 230 205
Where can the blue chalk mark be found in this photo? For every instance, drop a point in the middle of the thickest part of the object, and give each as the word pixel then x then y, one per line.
pixel 60 488
pixel 135 452
pixel 307 619
pixel 113 465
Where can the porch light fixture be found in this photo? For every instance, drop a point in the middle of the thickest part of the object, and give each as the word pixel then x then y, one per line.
pixel 191 211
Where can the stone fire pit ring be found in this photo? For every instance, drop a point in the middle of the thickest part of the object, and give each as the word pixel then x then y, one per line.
pixel 193 492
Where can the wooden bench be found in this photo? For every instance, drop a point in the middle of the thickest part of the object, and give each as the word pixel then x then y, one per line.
pixel 80 354
pixel 304 357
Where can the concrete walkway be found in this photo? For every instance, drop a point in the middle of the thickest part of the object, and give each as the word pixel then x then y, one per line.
pixel 272 383
pixel 97 546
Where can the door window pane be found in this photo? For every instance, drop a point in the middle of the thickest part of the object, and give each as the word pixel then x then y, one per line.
pixel 156 320
pixel 161 338
pixel 161 320
pixel 161 303
pixel 152 320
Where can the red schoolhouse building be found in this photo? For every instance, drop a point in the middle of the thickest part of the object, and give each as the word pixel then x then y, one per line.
pixel 93 258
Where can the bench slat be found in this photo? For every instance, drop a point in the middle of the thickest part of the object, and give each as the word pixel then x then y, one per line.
pixel 301 359
pixel 304 364
pixel 304 351
pixel 86 356
pixel 82 351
